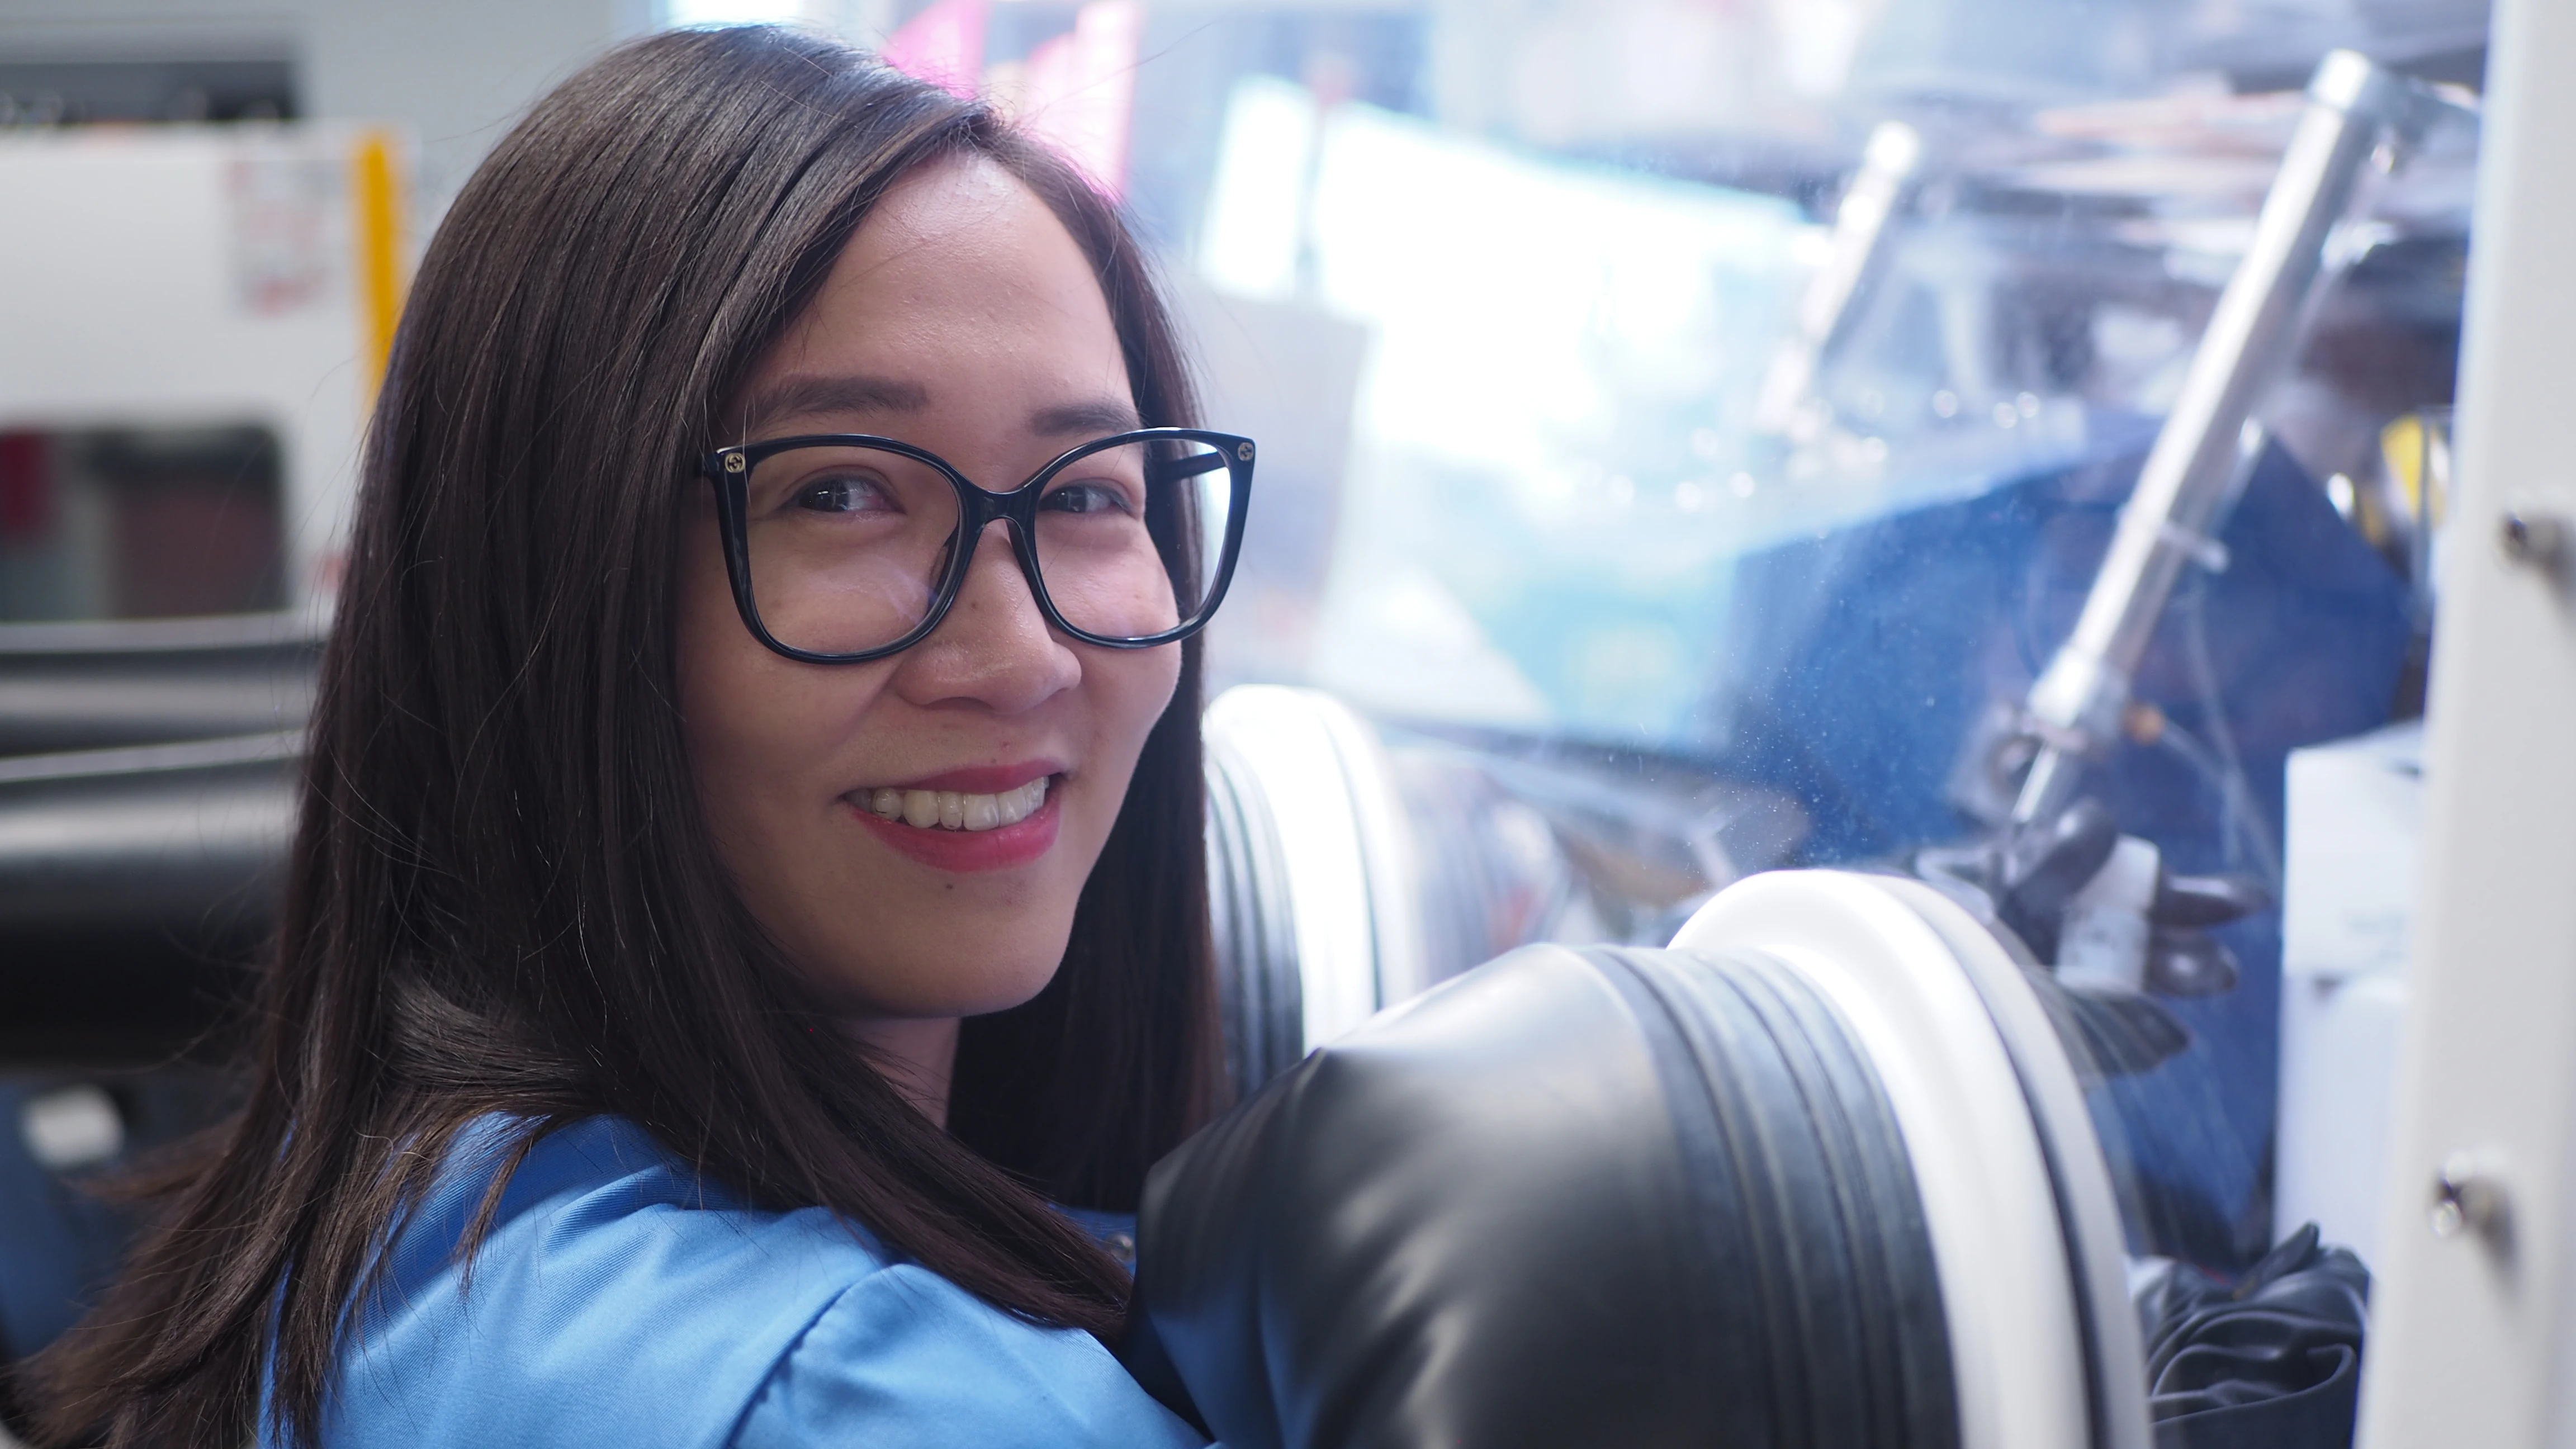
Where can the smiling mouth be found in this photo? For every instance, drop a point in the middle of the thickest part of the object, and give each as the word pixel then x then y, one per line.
pixel 956 809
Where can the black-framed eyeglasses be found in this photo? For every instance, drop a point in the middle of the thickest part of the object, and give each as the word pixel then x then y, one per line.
pixel 845 547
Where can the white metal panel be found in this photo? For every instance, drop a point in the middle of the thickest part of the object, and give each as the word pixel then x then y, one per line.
pixel 2353 850
pixel 125 298
pixel 2339 1046
pixel 2351 855
pixel 2473 1332
pixel 455 73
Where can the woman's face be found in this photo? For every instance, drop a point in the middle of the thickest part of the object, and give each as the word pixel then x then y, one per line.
pixel 962 318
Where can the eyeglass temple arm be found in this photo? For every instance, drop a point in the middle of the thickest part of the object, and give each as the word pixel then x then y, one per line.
pixel 1173 470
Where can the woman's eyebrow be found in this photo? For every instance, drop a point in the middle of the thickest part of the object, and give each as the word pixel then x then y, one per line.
pixel 1087 419
pixel 806 394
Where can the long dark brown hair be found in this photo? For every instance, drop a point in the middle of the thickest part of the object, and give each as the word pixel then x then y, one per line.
pixel 502 895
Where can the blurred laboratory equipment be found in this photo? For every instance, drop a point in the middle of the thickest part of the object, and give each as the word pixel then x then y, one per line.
pixel 2358 116
pixel 1354 864
pixel 2348 911
pixel 197 315
pixel 206 312
pixel 1863 221
pixel 146 799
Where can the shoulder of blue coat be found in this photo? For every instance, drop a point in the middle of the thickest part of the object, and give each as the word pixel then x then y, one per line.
pixel 908 1360
pixel 618 1299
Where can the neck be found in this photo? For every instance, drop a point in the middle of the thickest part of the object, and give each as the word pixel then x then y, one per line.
pixel 917 1055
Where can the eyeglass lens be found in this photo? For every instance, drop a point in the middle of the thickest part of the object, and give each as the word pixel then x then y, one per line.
pixel 847 544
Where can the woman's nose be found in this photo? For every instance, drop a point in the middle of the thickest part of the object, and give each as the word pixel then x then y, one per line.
pixel 994 647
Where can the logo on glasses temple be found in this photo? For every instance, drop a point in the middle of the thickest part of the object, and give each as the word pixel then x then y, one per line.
pixel 735 462
pixel 1243 451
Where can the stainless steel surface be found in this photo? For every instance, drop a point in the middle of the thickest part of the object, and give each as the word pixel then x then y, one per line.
pixel 147 800
pixel 113 683
pixel 143 759
pixel 1888 166
pixel 106 847
pixel 2356 111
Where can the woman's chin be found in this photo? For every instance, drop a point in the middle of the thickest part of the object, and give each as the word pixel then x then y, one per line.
pixel 998 974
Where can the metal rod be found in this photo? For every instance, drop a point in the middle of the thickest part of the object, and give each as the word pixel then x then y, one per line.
pixel 1860 237
pixel 2355 108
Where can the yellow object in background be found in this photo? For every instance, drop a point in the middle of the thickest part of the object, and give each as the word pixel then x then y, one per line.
pixel 377 196
pixel 2417 450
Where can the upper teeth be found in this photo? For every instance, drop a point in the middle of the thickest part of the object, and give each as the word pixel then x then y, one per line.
pixel 958 810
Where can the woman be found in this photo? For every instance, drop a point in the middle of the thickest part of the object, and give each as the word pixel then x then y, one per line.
pixel 743 880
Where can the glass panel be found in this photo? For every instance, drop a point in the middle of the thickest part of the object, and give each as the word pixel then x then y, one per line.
pixel 847 545
pixel 1690 432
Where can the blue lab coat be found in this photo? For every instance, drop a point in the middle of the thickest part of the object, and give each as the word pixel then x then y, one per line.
pixel 621 1302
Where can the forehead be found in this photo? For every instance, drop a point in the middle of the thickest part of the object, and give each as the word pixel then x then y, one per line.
pixel 960 275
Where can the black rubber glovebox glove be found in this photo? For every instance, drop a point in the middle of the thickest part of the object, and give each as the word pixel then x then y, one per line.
pixel 2036 871
pixel 2269 1361
pixel 1600 1197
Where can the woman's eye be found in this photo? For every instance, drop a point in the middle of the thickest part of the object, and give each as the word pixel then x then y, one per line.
pixel 1088 498
pixel 844 495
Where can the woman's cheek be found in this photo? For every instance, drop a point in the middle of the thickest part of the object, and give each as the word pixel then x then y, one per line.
pixel 1156 674
pixel 1129 691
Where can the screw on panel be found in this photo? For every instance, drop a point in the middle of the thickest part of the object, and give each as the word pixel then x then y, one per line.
pixel 2469 1198
pixel 2538 539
